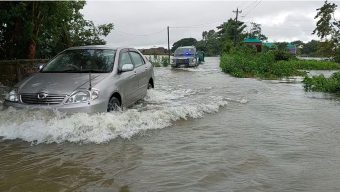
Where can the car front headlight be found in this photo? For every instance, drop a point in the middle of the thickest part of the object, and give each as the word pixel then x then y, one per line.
pixel 83 96
pixel 12 96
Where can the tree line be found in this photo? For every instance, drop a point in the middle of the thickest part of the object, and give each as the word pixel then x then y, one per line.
pixel 231 33
pixel 41 29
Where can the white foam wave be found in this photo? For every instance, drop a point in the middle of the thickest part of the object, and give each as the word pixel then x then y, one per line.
pixel 197 69
pixel 41 126
pixel 241 101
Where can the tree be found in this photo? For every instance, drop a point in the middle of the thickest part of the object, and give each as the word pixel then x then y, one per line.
pixel 325 25
pixel 282 46
pixel 210 43
pixel 183 42
pixel 45 28
pixel 328 29
pixel 256 32
pixel 298 43
pixel 310 48
pixel 231 34
pixel 231 31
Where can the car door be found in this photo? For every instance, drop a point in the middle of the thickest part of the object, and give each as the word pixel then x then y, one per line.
pixel 129 80
pixel 142 73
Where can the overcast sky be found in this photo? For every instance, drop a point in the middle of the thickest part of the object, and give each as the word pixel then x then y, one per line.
pixel 142 24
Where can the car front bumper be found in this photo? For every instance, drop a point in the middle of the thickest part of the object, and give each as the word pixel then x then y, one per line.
pixel 93 107
pixel 183 65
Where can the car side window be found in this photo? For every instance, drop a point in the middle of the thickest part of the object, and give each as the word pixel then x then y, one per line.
pixel 137 59
pixel 124 59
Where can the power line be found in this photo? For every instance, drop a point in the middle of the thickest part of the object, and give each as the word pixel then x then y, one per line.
pixel 253 8
pixel 249 5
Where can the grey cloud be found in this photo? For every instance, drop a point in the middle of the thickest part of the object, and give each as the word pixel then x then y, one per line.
pixel 143 24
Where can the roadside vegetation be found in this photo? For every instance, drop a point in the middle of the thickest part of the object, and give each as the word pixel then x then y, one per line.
pixel 314 65
pixel 322 84
pixel 273 64
pixel 41 29
pixel 241 60
pixel 159 61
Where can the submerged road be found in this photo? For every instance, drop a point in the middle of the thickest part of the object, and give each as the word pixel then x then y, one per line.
pixel 198 130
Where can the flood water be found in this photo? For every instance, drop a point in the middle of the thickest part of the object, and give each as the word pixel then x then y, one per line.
pixel 198 130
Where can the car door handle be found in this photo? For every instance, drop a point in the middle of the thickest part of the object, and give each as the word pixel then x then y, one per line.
pixel 135 72
pixel 146 68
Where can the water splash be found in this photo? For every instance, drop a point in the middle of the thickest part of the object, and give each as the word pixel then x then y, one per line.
pixel 160 110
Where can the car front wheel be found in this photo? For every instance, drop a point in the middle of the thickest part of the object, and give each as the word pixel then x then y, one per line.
pixel 114 105
pixel 150 86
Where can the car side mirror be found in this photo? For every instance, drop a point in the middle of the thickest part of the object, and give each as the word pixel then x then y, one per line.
pixel 39 66
pixel 127 67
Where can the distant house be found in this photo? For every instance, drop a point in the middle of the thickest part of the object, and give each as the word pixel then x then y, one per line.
pixel 291 48
pixel 254 42
pixel 269 45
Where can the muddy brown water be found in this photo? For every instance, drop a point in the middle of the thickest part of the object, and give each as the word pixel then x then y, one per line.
pixel 199 130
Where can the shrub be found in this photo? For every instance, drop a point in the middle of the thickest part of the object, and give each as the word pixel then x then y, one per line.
pixel 158 61
pixel 245 62
pixel 282 55
pixel 314 65
pixel 322 84
pixel 337 56
pixel 165 61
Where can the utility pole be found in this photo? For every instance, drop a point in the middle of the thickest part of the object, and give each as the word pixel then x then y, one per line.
pixel 169 43
pixel 236 27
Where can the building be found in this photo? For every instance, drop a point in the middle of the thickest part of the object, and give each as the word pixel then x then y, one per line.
pixel 269 45
pixel 291 48
pixel 254 42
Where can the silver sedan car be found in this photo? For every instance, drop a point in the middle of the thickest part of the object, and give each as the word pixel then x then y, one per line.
pixel 86 79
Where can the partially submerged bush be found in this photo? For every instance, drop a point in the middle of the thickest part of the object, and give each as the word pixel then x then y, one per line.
pixel 315 65
pixel 246 62
pixel 322 84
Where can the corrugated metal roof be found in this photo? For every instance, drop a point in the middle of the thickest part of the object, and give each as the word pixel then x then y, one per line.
pixel 252 40
pixel 291 46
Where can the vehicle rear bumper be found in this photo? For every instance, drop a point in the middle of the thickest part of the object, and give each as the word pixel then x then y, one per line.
pixel 93 107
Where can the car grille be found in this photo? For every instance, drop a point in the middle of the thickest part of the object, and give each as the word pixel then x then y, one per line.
pixel 182 61
pixel 51 99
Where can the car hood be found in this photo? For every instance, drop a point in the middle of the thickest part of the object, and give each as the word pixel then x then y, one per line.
pixel 58 83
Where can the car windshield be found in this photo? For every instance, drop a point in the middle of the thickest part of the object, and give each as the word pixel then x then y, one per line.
pixel 82 61
pixel 182 51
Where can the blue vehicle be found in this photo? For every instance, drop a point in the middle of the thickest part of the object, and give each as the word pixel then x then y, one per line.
pixel 185 57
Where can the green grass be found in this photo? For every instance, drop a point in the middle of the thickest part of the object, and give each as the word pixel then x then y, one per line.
pixel 262 66
pixel 323 84
pixel 315 65
pixel 269 65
